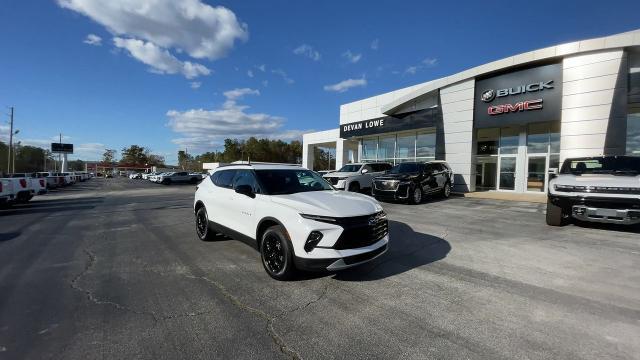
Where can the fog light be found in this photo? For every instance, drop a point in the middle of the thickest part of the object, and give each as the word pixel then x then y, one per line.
pixel 312 240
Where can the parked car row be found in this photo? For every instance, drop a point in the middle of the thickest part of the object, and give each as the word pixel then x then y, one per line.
pixel 408 181
pixel 22 187
pixel 168 178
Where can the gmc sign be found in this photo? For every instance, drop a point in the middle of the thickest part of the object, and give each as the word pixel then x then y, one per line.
pixel 519 106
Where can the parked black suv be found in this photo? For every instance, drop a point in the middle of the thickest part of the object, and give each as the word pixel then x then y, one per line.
pixel 409 181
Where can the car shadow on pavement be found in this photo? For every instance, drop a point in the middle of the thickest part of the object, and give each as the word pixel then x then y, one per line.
pixel 609 227
pixel 408 250
pixel 8 236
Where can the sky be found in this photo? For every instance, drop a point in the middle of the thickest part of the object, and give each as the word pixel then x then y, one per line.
pixel 174 75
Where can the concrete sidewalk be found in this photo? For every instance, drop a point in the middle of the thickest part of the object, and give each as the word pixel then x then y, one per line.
pixel 503 195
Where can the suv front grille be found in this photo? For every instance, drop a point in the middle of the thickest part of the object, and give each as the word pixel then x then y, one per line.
pixel 386 184
pixel 332 180
pixel 361 231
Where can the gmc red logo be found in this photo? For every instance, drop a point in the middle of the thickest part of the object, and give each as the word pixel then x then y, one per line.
pixel 517 107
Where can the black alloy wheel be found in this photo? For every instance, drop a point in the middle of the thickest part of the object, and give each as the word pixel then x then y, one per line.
pixel 202 225
pixel 276 253
pixel 416 196
pixel 446 191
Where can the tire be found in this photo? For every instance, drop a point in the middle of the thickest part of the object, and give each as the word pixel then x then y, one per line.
pixel 276 253
pixel 194 180
pixel 166 182
pixel 203 230
pixel 556 216
pixel 446 190
pixel 416 196
pixel 354 187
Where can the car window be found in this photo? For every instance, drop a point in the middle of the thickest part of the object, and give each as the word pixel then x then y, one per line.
pixel 350 168
pixel 246 177
pixel 291 181
pixel 368 168
pixel 225 179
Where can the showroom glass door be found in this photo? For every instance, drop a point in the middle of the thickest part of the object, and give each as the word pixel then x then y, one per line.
pixel 536 173
pixel 508 156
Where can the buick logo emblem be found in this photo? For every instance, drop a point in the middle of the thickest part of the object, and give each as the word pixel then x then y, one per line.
pixel 488 95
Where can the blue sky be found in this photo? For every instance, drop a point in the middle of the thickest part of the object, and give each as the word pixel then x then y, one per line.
pixel 169 75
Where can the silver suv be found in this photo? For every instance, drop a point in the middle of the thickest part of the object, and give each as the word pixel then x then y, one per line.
pixel 358 176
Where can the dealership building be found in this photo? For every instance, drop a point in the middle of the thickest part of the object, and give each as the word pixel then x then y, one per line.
pixel 502 125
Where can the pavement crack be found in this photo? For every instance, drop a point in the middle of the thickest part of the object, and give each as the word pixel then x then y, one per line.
pixel 91 297
pixel 275 337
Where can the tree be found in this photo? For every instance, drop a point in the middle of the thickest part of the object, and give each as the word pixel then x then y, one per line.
pixel 76 165
pixel 109 156
pixel 185 161
pixel 134 154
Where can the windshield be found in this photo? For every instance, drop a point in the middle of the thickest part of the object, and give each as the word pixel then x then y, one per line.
pixel 291 181
pixel 350 168
pixel 404 168
pixel 616 165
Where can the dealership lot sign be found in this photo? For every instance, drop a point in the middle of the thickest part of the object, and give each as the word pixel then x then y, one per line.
pixel 519 97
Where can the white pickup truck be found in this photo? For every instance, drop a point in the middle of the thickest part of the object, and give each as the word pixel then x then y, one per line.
pixel 35 182
pixel 603 189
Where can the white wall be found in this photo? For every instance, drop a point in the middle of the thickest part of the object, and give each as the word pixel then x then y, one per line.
pixel 369 108
pixel 594 87
pixel 457 113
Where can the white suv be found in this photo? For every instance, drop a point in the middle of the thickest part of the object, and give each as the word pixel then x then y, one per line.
pixel 356 177
pixel 294 217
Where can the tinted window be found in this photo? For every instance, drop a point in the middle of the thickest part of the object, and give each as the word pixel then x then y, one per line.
pixel 405 168
pixel 225 179
pixel 291 181
pixel 602 165
pixel 350 168
pixel 245 177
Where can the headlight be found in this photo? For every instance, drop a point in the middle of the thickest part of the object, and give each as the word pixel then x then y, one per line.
pixel 320 218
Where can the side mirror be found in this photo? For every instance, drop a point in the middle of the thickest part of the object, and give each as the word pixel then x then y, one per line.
pixel 245 190
pixel 364 171
pixel 553 172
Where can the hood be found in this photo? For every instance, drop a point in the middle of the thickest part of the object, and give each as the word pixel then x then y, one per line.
pixel 340 174
pixel 329 203
pixel 598 180
pixel 401 177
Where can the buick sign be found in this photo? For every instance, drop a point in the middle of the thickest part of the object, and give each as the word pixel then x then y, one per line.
pixel 489 95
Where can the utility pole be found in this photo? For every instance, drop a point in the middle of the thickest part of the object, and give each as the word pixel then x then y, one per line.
pixel 10 141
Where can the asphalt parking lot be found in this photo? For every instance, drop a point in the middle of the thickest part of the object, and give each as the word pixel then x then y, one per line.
pixel 112 268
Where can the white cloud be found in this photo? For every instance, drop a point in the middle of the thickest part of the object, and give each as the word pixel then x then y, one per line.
pixel 283 75
pixel 159 59
pixel 411 70
pixel 202 130
pixel 375 44
pixel 236 94
pixel 265 83
pixel 262 67
pixel 430 62
pixel 345 85
pixel 195 84
pixel 201 30
pixel 93 39
pixel 426 63
pixel 308 51
pixel 250 73
pixel 353 58
pixel 88 151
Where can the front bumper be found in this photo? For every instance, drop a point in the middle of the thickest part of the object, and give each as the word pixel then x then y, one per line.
pixel 340 263
pixel 401 193
pixel 625 211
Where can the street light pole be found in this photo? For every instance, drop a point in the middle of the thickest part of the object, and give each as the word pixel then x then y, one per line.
pixel 10 141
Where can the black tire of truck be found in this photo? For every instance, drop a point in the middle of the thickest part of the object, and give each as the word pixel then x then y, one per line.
pixel 556 215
